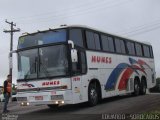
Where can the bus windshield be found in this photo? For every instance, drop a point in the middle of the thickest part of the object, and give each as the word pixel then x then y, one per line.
pixel 43 62
pixel 41 38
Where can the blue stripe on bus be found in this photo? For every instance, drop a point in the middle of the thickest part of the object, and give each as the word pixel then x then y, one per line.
pixel 112 80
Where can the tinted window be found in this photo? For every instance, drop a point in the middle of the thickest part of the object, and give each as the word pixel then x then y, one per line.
pixel 151 51
pixel 146 51
pixel 130 48
pixel 83 62
pixel 42 38
pixel 111 44
pixel 123 49
pixel 97 41
pixel 107 43
pixel 138 49
pixel 120 46
pixel 81 65
pixel 93 41
pixel 90 40
pixel 76 37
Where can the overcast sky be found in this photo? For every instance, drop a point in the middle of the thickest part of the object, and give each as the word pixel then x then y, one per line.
pixel 136 19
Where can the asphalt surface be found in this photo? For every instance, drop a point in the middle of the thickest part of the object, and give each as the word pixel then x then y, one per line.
pixel 115 105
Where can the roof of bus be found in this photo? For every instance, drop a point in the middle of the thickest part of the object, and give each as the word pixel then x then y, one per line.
pixel 87 27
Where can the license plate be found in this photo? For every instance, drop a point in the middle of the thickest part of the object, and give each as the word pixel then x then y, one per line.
pixel 38 97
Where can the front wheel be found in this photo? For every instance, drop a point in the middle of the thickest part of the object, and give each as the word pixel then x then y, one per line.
pixel 92 94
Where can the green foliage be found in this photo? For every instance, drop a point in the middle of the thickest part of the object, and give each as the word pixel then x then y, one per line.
pixel 157 87
pixel 157 81
pixel 14 89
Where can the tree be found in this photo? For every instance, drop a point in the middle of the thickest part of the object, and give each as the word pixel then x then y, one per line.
pixel 157 87
pixel 157 81
pixel 14 89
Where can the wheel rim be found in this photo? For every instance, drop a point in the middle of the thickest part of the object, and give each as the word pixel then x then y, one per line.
pixel 93 95
pixel 136 89
pixel 144 88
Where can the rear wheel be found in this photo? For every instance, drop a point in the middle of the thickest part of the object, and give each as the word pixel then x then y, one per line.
pixel 92 94
pixel 143 88
pixel 136 88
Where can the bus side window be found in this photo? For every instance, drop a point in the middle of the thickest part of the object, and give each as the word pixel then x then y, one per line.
pixel 76 36
pixel 76 66
pixel 111 44
pixel 107 43
pixel 130 48
pixel 138 49
pixel 80 66
pixel 123 49
pixel 97 41
pixel 93 40
pixel 120 46
pixel 151 52
pixel 83 62
pixel 146 51
pixel 117 44
pixel 90 40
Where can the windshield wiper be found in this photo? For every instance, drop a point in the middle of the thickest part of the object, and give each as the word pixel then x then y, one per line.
pixel 25 78
pixel 31 68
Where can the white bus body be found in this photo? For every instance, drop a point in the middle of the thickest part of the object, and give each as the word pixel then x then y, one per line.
pixel 104 74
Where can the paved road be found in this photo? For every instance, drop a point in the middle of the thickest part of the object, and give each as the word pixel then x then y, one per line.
pixel 119 105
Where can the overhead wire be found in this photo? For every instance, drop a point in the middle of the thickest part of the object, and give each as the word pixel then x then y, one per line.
pixel 84 11
pixel 144 27
pixel 157 22
pixel 144 31
pixel 51 13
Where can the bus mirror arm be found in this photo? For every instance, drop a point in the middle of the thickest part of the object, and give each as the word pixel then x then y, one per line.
pixel 13 51
pixel 71 42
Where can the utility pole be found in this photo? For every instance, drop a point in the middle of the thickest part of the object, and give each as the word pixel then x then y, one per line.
pixel 11 31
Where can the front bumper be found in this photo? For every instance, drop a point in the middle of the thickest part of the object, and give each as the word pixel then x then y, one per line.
pixel 59 97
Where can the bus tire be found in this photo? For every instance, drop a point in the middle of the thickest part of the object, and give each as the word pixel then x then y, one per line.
pixel 136 88
pixel 93 94
pixel 143 87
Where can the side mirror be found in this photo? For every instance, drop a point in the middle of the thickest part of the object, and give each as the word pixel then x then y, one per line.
pixel 74 55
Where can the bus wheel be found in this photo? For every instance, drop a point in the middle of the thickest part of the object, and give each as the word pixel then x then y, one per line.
pixel 136 88
pixel 92 94
pixel 52 106
pixel 143 88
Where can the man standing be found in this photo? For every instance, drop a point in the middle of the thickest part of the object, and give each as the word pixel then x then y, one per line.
pixel 7 92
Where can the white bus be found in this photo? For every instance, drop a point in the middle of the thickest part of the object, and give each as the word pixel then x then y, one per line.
pixel 75 64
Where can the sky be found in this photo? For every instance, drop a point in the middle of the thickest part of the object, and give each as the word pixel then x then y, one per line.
pixel 135 19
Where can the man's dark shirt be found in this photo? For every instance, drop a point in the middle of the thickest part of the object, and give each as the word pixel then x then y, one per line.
pixel 5 87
